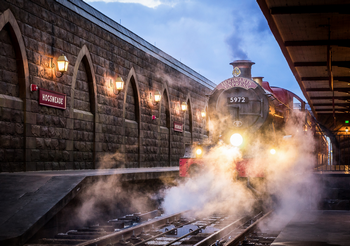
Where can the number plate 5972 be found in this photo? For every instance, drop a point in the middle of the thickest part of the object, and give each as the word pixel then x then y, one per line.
pixel 232 100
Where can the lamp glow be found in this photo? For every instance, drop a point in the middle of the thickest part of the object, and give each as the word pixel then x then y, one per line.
pixel 236 139
pixel 157 96
pixel 198 151
pixel 184 106
pixel 62 63
pixel 272 151
pixel 203 113
pixel 119 83
pixel 346 129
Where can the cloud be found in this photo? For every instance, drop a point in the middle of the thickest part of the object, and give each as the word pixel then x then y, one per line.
pixel 148 3
pixel 206 35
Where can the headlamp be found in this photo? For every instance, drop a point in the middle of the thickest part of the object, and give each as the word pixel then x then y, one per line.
pixel 236 139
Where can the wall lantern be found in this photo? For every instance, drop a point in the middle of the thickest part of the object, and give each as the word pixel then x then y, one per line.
pixel 62 65
pixel 184 106
pixel 119 85
pixel 346 129
pixel 203 113
pixel 157 96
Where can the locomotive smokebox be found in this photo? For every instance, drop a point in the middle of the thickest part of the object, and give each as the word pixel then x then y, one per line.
pixel 244 68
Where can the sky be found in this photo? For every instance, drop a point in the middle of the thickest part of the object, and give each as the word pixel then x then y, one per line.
pixel 206 35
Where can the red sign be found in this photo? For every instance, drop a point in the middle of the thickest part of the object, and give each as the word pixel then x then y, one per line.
pixel 178 127
pixel 52 99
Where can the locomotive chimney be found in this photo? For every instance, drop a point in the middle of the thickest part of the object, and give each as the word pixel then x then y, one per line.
pixel 258 80
pixel 245 68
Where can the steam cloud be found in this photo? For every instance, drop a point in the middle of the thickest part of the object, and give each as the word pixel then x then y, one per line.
pixel 289 184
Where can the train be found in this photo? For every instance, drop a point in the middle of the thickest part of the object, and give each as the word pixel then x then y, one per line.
pixel 244 109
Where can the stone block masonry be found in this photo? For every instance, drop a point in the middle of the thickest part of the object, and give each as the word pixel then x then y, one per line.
pixel 100 127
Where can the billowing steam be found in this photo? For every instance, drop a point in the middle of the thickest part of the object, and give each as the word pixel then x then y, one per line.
pixel 288 184
pixel 213 189
pixel 109 197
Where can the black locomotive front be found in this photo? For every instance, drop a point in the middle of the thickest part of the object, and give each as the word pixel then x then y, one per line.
pixel 240 111
pixel 240 108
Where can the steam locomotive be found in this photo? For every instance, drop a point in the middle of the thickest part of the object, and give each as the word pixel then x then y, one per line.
pixel 242 110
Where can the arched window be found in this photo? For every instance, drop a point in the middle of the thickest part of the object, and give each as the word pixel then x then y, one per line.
pixel 83 127
pixel 83 111
pixel 164 131
pixel 188 138
pixel 206 123
pixel 14 77
pixel 131 114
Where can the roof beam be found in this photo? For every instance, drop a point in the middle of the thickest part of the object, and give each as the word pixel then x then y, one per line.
pixel 339 78
pixel 338 42
pixel 320 64
pixel 331 104
pixel 274 29
pixel 331 110
pixel 311 9
pixel 330 98
pixel 330 113
pixel 328 89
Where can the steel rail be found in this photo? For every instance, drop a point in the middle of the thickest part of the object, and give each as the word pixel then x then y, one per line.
pixel 240 237
pixel 197 230
pixel 163 233
pixel 219 234
pixel 116 236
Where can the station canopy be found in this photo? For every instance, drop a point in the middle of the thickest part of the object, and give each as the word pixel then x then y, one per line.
pixel 314 36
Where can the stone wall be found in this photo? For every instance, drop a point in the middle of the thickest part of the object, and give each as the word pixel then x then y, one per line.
pixel 100 127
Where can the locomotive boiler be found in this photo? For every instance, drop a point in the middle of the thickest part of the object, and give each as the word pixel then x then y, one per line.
pixel 242 109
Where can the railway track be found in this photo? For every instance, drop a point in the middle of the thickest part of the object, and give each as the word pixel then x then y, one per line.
pixel 150 229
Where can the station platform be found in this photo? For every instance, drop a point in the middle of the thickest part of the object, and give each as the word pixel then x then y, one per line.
pixel 316 228
pixel 28 200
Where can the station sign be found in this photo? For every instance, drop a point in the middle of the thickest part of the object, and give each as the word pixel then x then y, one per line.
pixel 52 99
pixel 237 82
pixel 178 127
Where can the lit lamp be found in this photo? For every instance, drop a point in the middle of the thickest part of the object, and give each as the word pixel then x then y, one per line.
pixel 62 65
pixel 203 113
pixel 199 152
pixel 184 106
pixel 119 85
pixel 157 96
pixel 305 128
pixel 346 129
